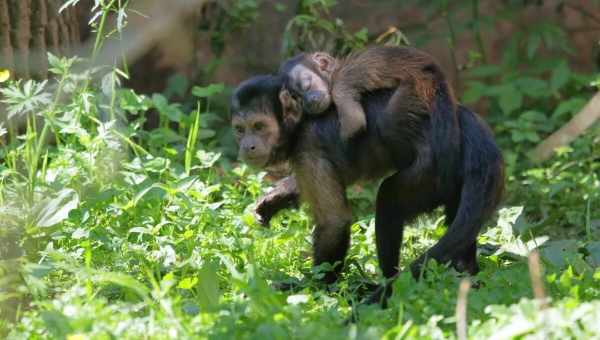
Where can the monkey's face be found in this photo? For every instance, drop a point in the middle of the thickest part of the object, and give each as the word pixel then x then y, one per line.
pixel 257 135
pixel 309 82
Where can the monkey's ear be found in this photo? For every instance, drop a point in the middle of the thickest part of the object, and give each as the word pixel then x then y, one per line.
pixel 324 61
pixel 291 110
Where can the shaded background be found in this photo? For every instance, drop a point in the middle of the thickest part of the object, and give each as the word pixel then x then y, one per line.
pixel 228 41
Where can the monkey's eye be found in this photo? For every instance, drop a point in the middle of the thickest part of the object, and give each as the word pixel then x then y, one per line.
pixel 305 83
pixel 239 129
pixel 259 126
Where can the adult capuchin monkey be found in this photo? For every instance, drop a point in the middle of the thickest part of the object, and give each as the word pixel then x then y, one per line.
pixel 399 145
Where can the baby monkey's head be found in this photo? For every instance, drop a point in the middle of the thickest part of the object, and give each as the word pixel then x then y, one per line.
pixel 307 77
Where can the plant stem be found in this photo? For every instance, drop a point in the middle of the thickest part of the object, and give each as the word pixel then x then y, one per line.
pixel 98 41
pixel 477 30
pixel 452 45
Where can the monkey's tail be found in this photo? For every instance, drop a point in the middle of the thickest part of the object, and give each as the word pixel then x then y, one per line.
pixel 481 191
pixel 445 129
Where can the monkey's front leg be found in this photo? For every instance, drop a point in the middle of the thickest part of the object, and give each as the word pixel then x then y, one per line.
pixel 350 113
pixel 320 186
pixel 284 195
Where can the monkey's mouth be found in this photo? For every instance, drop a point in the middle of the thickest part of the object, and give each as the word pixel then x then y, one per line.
pixel 316 106
pixel 256 161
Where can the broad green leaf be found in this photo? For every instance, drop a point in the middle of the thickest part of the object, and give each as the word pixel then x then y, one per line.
pixel 560 253
pixel 124 281
pixel 571 105
pixel 533 87
pixel 531 136
pixel 475 90
pixel 533 43
pixel 207 159
pixel 560 76
pixel 594 254
pixel 177 85
pixel 57 209
pixel 206 134
pixel 57 324
pixel 510 99
pixel 507 218
pixel 138 197
pixel 157 164
pixel 485 71
pixel 208 91
pixel 132 102
pixel 208 287
pixel 297 299
pixel 187 283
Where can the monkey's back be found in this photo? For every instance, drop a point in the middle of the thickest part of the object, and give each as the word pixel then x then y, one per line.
pixel 386 67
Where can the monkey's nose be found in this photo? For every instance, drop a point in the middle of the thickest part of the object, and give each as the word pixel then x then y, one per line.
pixel 314 97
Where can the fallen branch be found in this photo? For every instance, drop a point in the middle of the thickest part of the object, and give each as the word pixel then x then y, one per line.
pixel 566 134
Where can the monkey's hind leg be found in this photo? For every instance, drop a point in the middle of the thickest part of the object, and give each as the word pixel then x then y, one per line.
pixel 399 200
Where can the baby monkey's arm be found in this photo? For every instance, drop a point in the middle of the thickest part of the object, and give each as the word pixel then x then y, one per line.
pixel 356 74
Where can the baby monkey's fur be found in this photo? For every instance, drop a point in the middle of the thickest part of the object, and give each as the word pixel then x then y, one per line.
pixel 316 79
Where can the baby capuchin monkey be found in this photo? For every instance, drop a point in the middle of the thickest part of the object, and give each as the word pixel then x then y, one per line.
pixel 316 79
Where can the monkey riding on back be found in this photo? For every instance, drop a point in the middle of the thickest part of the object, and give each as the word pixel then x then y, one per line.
pixel 428 150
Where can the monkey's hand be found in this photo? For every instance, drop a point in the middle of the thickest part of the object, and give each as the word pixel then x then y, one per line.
pixel 284 195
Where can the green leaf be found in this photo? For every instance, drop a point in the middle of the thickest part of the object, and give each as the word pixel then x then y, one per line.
pixel 485 71
pixel 208 91
pixel 204 134
pixel 532 136
pixel 510 99
pixel 177 85
pixel 594 254
pixel 533 43
pixel 57 209
pixel 560 76
pixel 208 287
pixel 207 159
pixel 560 253
pixel 533 87
pixel 474 92
pixel 569 106
pixel 4 75
pixel 517 136
pixel 57 324
pixel 124 281
pixel 157 164
pixel 132 102
pixel 187 283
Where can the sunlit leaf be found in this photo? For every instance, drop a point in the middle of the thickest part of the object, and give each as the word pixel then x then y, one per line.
pixel 208 287
pixel 57 209
pixel 4 75
pixel 123 280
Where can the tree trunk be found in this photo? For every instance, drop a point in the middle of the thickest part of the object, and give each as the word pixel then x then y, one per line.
pixel 29 29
